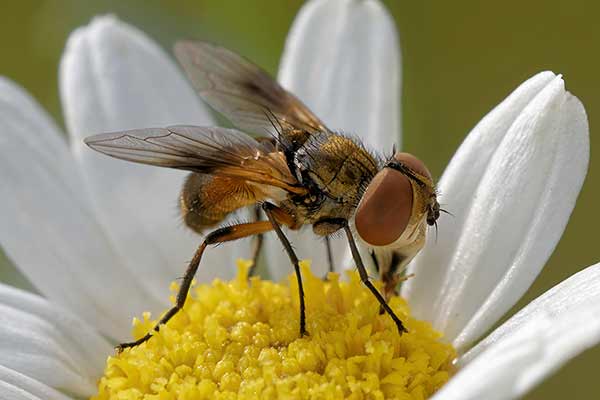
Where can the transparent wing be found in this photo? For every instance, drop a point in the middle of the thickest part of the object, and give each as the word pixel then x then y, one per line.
pixel 243 92
pixel 207 150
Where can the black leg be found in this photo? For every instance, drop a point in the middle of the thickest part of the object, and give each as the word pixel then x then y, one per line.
pixel 329 253
pixel 364 277
pixel 220 235
pixel 181 296
pixel 257 245
pixel 268 208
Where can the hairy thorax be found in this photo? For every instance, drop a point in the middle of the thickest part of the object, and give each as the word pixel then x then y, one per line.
pixel 336 170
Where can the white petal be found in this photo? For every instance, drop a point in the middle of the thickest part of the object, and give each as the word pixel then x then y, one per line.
pixel 48 344
pixel 564 298
pixel 511 187
pixel 113 77
pixel 12 392
pixel 48 228
pixel 479 146
pixel 533 344
pixel 16 386
pixel 342 60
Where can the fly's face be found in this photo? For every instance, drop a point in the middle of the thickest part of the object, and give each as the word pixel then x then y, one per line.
pixel 393 215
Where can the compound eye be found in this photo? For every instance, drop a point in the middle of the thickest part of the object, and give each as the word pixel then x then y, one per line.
pixel 385 209
pixel 413 163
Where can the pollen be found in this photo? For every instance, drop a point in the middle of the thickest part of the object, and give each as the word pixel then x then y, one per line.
pixel 240 340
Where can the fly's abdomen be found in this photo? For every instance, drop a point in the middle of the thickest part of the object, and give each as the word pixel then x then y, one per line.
pixel 206 200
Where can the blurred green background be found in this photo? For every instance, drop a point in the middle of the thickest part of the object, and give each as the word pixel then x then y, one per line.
pixel 459 60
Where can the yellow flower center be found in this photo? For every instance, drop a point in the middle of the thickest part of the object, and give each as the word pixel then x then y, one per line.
pixel 240 340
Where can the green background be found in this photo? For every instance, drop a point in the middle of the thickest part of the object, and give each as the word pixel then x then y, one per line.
pixel 459 60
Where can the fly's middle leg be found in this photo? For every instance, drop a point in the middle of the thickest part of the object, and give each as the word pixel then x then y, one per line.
pixel 271 211
pixel 257 244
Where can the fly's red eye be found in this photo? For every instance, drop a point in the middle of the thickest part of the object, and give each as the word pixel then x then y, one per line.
pixel 413 163
pixel 385 208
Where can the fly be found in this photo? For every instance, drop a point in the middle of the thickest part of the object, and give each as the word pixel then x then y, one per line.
pixel 302 174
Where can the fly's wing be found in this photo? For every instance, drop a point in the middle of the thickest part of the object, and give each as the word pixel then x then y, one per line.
pixel 206 150
pixel 246 94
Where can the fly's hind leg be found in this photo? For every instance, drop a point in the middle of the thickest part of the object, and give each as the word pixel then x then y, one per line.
pixel 277 216
pixel 221 235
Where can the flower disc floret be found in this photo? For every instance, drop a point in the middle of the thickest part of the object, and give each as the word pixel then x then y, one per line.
pixel 240 340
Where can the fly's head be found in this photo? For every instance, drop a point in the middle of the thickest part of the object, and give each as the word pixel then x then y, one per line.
pixel 397 203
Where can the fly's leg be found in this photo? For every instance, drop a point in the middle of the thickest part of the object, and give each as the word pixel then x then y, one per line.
pixel 220 235
pixel 364 277
pixel 325 228
pixel 329 253
pixel 257 245
pixel 181 296
pixel 273 214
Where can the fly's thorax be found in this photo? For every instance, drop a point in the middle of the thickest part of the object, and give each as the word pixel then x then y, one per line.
pixel 337 165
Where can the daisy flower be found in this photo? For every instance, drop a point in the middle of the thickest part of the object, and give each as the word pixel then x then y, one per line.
pixel 101 241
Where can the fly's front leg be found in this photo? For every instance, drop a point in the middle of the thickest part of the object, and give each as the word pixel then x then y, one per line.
pixel 221 235
pixel 326 227
pixel 364 277
pixel 274 214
